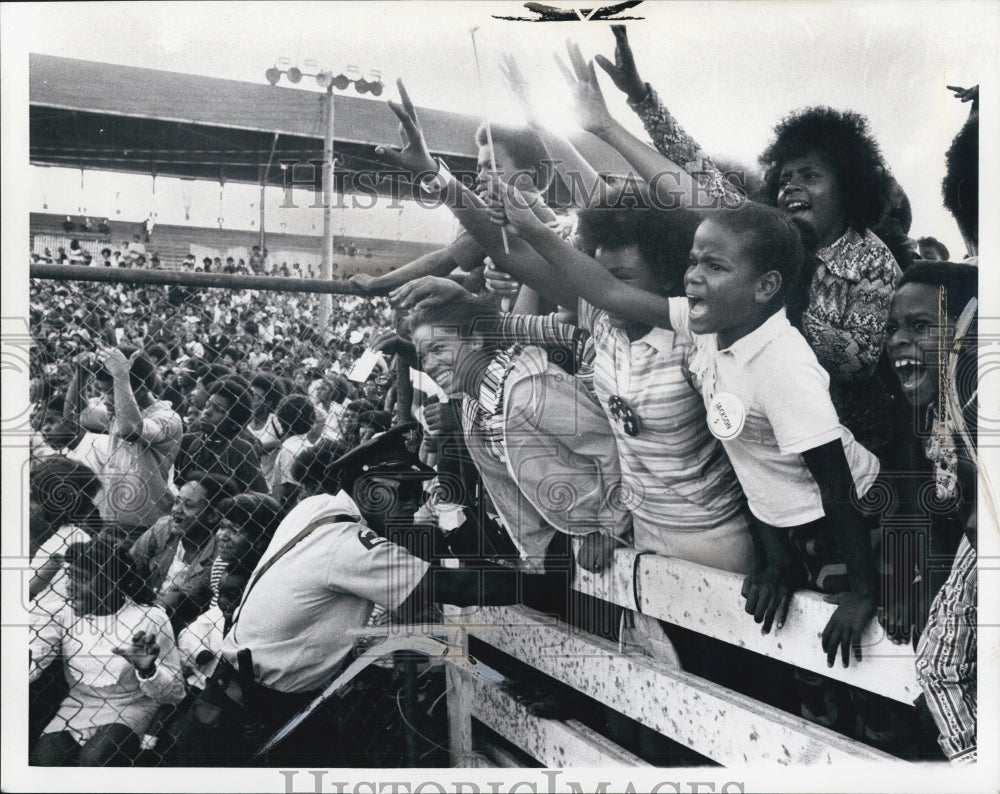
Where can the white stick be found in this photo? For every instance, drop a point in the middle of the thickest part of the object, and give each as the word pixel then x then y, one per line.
pixel 489 133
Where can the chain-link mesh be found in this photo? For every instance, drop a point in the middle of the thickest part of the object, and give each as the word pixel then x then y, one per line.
pixel 226 386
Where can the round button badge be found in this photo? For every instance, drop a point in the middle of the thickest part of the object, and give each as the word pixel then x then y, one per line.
pixel 726 416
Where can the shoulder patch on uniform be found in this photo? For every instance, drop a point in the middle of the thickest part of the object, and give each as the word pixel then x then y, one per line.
pixel 370 539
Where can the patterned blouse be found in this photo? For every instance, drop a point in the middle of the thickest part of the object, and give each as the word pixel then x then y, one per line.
pixel 848 298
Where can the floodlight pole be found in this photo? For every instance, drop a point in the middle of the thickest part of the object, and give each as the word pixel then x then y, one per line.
pixel 326 266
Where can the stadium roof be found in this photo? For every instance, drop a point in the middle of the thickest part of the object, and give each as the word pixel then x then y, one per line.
pixel 123 118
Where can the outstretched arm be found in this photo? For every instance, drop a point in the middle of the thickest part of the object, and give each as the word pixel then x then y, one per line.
pixel 521 262
pixel 591 281
pixel 579 175
pixel 669 138
pixel 667 181
pixel 462 253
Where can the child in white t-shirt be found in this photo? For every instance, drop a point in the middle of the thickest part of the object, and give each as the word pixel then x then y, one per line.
pixel 767 398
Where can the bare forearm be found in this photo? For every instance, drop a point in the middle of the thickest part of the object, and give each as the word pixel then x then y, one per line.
pixel 436 263
pixel 592 282
pixel 579 175
pixel 673 186
pixel 522 262
pixel 126 408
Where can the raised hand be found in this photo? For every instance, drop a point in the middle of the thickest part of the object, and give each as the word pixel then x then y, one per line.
pixel 499 281
pixel 427 288
pixel 519 87
pixel 589 107
pixel 414 156
pixel 441 418
pixel 623 72
pixel 113 360
pixel 965 94
pixel 846 625
pixel 519 210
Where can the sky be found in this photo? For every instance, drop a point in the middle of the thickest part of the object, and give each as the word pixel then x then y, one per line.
pixel 728 71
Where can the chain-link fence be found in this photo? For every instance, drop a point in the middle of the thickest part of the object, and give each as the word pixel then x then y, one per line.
pixel 153 497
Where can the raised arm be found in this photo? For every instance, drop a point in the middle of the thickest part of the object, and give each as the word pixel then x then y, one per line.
pixel 672 185
pixel 590 280
pixel 522 263
pixel 669 138
pixel 578 174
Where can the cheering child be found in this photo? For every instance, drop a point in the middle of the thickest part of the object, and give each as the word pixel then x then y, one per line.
pixel 768 401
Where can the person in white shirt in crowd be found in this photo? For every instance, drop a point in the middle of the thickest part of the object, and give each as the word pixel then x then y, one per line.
pixel 120 659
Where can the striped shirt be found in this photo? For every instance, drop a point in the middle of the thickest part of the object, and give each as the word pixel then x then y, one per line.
pixel 675 475
pixel 946 659
pixel 674 472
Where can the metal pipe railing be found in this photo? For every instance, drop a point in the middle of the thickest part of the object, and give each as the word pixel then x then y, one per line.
pixel 183 278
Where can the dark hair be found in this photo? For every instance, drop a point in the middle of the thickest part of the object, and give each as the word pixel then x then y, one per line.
pixel 961 281
pixel 774 241
pixel 296 414
pixel 960 186
pixel 526 149
pixel 113 563
pixel 274 388
pixel 937 245
pixel 217 487
pixel 158 353
pixel 895 226
pixel 237 391
pixel 380 420
pixel 313 467
pixel 466 314
pixel 360 406
pixel 215 372
pixel 258 516
pixel 65 488
pixel 663 237
pixel 842 139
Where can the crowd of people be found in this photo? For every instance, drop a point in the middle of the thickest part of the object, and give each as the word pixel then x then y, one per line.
pixel 720 372
pixel 134 255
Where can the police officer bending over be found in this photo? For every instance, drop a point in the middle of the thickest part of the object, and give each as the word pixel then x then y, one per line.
pixel 327 567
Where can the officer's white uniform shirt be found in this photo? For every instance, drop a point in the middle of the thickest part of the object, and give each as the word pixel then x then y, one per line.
pixel 296 617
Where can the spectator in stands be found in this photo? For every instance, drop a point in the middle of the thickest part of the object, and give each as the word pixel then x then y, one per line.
pixel 516 402
pixel 301 602
pixel 174 557
pixel 144 438
pixel 216 445
pixel 244 532
pixel 62 511
pixel 295 418
pixel 932 248
pixel 120 658
pixel 349 431
pixel 256 261
pixel 916 336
